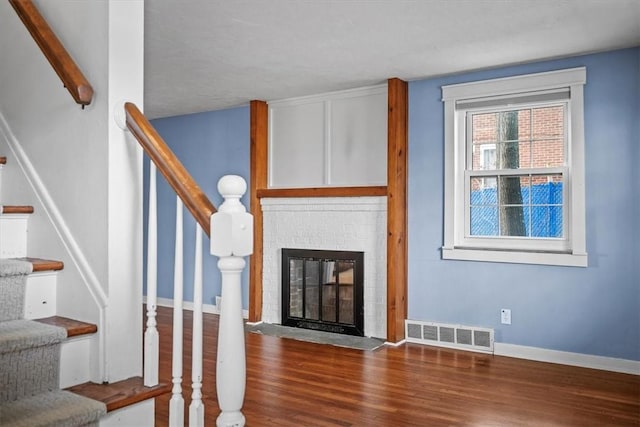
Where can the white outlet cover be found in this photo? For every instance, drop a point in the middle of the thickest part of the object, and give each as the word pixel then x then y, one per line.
pixel 505 316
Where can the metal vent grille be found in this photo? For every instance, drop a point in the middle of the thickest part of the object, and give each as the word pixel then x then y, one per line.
pixel 452 336
pixel 463 336
pixel 430 332
pixel 447 334
pixel 413 331
pixel 482 338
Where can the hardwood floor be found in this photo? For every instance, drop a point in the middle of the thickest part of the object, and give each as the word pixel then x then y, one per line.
pixel 293 383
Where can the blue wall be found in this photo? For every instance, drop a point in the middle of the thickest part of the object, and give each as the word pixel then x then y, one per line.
pixel 594 310
pixel 210 145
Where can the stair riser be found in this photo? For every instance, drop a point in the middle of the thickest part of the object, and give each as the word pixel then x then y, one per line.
pixel 75 360
pixel 40 295
pixel 13 229
pixel 139 415
pixel 28 372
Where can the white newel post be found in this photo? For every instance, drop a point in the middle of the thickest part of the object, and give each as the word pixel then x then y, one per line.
pixel 231 240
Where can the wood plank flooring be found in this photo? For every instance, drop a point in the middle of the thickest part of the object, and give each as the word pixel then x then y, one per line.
pixel 292 383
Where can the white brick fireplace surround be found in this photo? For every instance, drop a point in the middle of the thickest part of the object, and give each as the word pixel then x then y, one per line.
pixel 328 223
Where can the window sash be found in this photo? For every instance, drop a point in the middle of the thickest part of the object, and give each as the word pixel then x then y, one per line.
pixel 465 110
pixel 558 244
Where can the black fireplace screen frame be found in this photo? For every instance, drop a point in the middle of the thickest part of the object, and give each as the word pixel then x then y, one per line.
pixel 353 327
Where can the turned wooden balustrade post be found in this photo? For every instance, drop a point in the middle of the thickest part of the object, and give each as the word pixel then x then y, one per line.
pixel 231 240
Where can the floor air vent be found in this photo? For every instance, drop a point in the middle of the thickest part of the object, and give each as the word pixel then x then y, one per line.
pixel 451 336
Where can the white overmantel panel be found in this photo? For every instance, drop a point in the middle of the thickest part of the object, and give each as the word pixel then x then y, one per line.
pixel 331 223
pixel 331 139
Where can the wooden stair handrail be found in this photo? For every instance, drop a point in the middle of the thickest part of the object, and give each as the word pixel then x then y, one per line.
pixel 58 57
pixel 168 164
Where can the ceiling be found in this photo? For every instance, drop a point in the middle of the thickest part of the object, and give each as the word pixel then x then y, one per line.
pixel 203 55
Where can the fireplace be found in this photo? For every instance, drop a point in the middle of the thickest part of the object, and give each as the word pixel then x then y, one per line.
pixel 333 224
pixel 323 290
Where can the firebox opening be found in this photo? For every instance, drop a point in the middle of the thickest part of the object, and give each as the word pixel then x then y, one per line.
pixel 323 290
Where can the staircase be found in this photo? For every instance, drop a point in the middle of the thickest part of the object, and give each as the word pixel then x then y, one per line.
pixel 45 358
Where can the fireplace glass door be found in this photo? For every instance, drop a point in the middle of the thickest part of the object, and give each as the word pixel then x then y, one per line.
pixel 323 290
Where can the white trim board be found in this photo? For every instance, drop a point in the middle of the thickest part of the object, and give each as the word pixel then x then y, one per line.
pixel 567 358
pixel 188 305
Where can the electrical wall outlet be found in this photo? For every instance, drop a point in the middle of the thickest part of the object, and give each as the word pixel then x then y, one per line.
pixel 505 316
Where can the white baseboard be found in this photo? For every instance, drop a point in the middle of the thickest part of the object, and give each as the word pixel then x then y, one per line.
pixel 567 358
pixel 188 305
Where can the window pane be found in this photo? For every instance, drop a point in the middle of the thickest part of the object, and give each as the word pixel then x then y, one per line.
pixel 546 221
pixel 512 221
pixel 483 191
pixel 484 206
pixel 484 141
pixel 510 190
pixel 484 128
pixel 547 153
pixel 548 122
pixel 513 195
pixel 484 156
pixel 547 209
pixel 484 221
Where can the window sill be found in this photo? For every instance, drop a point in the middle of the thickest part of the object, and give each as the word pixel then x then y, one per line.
pixel 517 257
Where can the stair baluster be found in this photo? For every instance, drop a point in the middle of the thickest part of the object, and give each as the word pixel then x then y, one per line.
pixel 151 343
pixel 176 404
pixel 196 409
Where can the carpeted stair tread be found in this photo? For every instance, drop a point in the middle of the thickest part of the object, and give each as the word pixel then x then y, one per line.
pixel 29 358
pixel 13 275
pixel 74 327
pixel 16 210
pixel 15 267
pixel 122 393
pixel 54 409
pixel 21 334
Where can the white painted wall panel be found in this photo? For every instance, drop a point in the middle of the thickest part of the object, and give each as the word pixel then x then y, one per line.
pixel 297 145
pixel 358 154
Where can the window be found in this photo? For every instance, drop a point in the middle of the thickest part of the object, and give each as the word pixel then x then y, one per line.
pixel 514 169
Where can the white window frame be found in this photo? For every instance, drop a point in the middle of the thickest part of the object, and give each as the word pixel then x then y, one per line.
pixel 554 86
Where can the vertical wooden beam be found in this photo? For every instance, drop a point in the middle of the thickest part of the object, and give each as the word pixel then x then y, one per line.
pixel 397 124
pixel 258 170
